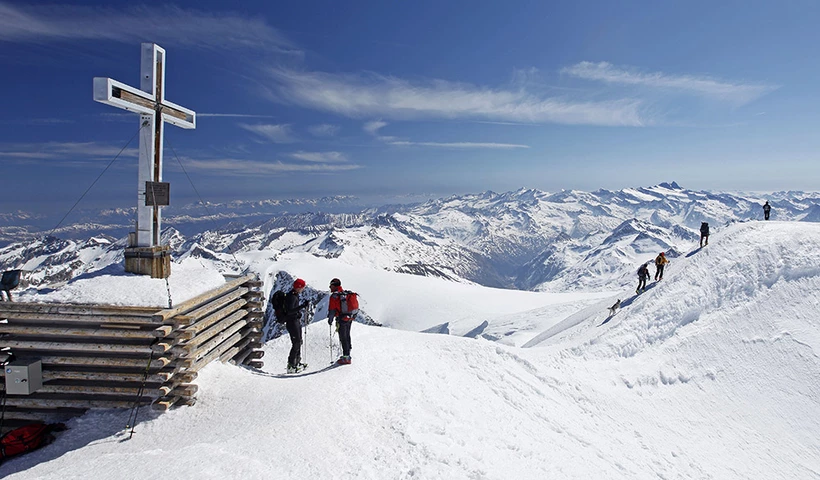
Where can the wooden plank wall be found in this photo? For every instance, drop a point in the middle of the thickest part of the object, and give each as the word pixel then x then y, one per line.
pixel 105 356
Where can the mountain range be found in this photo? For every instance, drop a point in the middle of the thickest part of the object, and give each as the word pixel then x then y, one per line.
pixel 525 239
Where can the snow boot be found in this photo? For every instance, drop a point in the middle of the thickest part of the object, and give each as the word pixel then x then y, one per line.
pixel 297 368
pixel 344 360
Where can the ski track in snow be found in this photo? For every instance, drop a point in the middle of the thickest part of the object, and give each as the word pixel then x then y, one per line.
pixel 712 373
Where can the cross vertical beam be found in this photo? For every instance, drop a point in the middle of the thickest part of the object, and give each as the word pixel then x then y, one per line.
pixel 145 255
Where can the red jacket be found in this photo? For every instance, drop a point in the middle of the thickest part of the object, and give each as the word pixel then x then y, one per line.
pixel 334 306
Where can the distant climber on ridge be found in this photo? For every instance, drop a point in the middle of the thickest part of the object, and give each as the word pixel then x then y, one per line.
pixel 660 263
pixel 766 210
pixel 643 276
pixel 704 233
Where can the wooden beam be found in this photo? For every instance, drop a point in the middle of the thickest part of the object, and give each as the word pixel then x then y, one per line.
pixel 186 402
pixel 47 411
pixel 156 363
pixel 216 340
pixel 163 347
pixel 74 347
pixel 256 354
pixel 115 321
pixel 215 317
pixel 217 328
pixel 75 332
pixel 52 400
pixel 197 301
pixel 217 305
pixel 255 364
pixel 216 352
pixel 163 331
pixel 76 309
pixel 233 351
pixel 156 377
pixel 150 391
pixel 243 354
pixel 185 390
pixel 164 403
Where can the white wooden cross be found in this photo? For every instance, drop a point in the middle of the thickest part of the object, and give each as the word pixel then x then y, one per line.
pixel 150 103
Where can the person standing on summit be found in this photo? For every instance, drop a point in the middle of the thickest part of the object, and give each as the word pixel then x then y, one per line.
pixel 766 210
pixel 343 306
pixel 660 263
pixel 293 316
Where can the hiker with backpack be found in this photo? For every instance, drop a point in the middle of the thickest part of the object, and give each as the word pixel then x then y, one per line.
pixel 704 233
pixel 287 310
pixel 766 210
pixel 343 306
pixel 643 276
pixel 660 263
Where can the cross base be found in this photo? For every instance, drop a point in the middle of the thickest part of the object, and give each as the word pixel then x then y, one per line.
pixel 154 261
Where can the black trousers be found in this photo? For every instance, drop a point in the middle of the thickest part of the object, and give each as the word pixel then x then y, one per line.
pixel 344 335
pixel 765 215
pixel 295 332
pixel 659 272
pixel 641 282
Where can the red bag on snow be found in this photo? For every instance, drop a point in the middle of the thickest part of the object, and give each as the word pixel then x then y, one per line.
pixel 27 438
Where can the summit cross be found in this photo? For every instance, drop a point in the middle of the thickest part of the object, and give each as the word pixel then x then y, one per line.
pixel 149 102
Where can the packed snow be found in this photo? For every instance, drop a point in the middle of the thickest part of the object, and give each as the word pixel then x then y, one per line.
pixel 713 372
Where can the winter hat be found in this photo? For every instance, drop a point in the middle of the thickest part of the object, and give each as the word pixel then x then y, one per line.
pixel 299 283
pixel 335 283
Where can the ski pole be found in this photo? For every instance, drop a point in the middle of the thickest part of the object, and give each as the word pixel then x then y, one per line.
pixel 303 326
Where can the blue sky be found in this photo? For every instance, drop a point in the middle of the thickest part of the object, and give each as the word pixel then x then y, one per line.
pixel 313 98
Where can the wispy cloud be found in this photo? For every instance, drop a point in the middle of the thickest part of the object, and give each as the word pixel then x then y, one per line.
pixel 393 98
pixel 63 151
pixel 240 167
pixel 232 115
pixel 737 93
pixel 460 145
pixel 321 157
pixel 47 121
pixel 324 130
pixel 161 23
pixel 273 133
pixel 374 126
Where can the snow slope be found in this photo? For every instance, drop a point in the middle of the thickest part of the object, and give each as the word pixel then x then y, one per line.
pixel 712 373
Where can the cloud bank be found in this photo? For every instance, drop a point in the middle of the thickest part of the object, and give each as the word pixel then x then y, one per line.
pixel 736 93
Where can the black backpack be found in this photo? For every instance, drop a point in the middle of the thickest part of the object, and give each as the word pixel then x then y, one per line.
pixel 704 228
pixel 10 279
pixel 277 301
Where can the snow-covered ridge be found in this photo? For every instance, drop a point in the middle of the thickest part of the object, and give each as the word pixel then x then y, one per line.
pixel 713 372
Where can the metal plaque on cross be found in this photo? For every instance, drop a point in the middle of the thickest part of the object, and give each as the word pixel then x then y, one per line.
pixel 157 194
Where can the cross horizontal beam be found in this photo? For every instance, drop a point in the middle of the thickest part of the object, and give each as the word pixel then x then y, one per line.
pixel 120 95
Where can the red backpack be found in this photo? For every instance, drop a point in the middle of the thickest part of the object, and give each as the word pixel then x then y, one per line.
pixel 27 438
pixel 349 302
